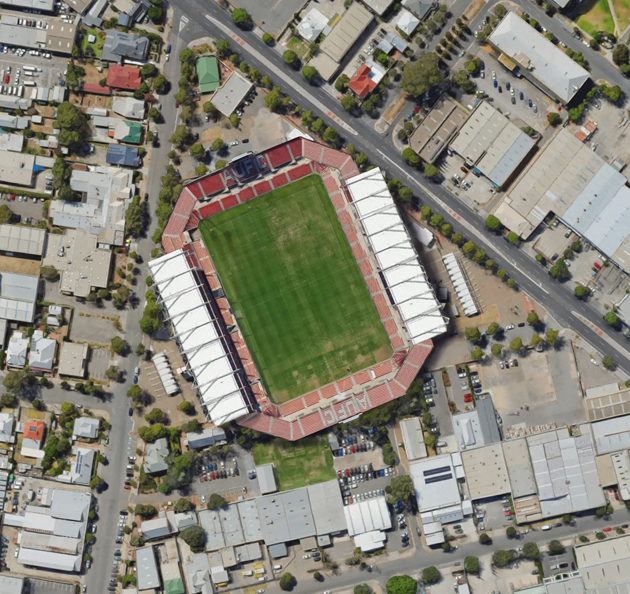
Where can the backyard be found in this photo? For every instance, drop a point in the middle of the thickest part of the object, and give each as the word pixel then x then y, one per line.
pixel 97 46
pixel 306 462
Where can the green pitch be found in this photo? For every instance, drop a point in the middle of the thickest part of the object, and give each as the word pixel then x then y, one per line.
pixel 295 289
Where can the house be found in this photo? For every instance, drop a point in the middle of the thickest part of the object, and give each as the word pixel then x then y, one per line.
pixel 119 46
pixel 135 15
pixel 421 8
pixel 85 427
pixel 7 423
pixel 155 458
pixel 407 22
pixel 126 78
pixel 43 351
pixel 128 107
pixel 366 79
pixel 80 472
pixel 313 25
pixel 121 154
pixel 127 132
pixel 208 74
pixel 33 438
pixel 204 438
pixel 73 359
pixel 17 350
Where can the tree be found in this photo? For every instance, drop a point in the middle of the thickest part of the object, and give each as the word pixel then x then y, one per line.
pixel 430 575
pixel 217 144
pixel 492 328
pixel 290 57
pixel 447 230
pixel 156 14
pixel 361 159
pixel 95 482
pixel 186 406
pixel 554 118
pixel 67 193
pixel 551 336
pixel 555 548
pixel 330 135
pixel 471 564
pixel 419 76
pixel 620 54
pixel 73 127
pixel 49 273
pixel 532 318
pixel 611 318
pixel 7 399
pixel 194 537
pixel 118 344
pixel 512 237
pixel 341 84
pixel 493 223
pixel 496 349
pixel 318 126
pixel 309 72
pixel 181 135
pixel 510 532
pixel 190 426
pixel 349 103
pixel 362 589
pixel 208 107
pixel 112 372
pixel 411 157
pixel 240 16
pixel 458 238
pixel 154 416
pixel 530 551
pixel 402 487
pixel 145 510
pixel 197 150
pixel 502 558
pixel 516 344
pixel 559 270
pixel 608 362
pixel 580 291
pixel 484 538
pixel 273 99
pixel 536 340
pixel 479 256
pixel 431 171
pixel 469 248
pixel 476 354
pixel 216 501
pixel 200 170
pixel 287 581
pixel 183 505
pixel 473 334
pixel 401 584
pixel 267 38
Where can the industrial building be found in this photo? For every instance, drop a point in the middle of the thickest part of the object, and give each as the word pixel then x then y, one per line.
pixel 611 435
pixel 413 438
pixel 477 427
pixel 266 479
pixel 523 50
pixel 21 241
pixel 605 564
pixel 58 37
pixel 16 168
pixel 368 516
pixel 492 145
pixel 73 359
pixel 53 532
pixel 437 129
pixel 338 43
pixel 588 194
pixel 486 472
pixel 231 94
pixel 147 575
pixel 401 272
pixel 201 335
pixel 18 295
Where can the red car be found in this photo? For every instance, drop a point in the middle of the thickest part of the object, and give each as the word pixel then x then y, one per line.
pixel 347 472
pixel 607 529
pixel 467 398
pixel 12 196
pixel 128 487
pixel 353 449
pixel 339 473
pixel 212 476
pixel 6 79
pixel 416 109
pixel 205 476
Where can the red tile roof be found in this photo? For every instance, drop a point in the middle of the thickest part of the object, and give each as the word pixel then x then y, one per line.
pixel 211 184
pixel 34 430
pixel 124 77
pixel 94 89
pixel 361 83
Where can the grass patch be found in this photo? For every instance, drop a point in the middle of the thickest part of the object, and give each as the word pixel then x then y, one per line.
pixel 622 10
pixel 36 414
pixel 595 16
pixel 306 462
pixel 97 46
pixel 299 47
pixel 296 289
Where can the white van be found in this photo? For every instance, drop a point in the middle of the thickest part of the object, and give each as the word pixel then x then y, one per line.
pixel 546 527
pixel 248 573
pixel 277 567
pixel 260 571
pixel 29 83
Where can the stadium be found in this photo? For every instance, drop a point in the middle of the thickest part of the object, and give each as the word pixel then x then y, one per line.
pixel 293 291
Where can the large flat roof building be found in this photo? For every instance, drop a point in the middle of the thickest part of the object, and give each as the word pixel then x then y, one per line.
pixel 285 517
pixel 492 144
pixel 486 472
pixel 266 479
pixel 539 60
pixel 327 506
pixel 366 516
pixel 16 168
pixel 231 94
pixel 413 438
pixel 18 295
pixel 28 241
pixel 147 574
pixel 604 563
pixel 72 360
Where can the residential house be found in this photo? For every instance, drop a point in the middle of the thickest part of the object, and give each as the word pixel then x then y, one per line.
pixel 407 22
pixel 128 107
pixel 7 424
pixel 33 439
pixel 86 428
pixel 43 352
pixel 155 458
pixel 208 74
pixel 126 78
pixel 366 79
pixel 123 155
pixel 17 350
pixel 125 131
pixel 80 472
pixel 313 25
pixel 120 46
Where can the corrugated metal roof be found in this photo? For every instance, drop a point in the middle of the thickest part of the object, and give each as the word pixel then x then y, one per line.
pixel 22 240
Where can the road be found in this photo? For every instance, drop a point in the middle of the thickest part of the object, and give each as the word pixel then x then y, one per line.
pixel 557 298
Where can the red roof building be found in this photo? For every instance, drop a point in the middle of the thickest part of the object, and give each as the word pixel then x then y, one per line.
pixel 34 430
pixel 361 83
pixel 94 89
pixel 124 77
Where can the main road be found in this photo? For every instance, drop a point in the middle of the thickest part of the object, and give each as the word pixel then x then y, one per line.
pixel 210 19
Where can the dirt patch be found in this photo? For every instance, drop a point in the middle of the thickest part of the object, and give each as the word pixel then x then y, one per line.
pixel 392 112
pixel 474 8
pixel 19 265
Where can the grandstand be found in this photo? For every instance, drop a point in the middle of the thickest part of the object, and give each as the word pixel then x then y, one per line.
pixel 231 386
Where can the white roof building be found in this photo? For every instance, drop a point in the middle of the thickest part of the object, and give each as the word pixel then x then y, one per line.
pixel 184 299
pixel 266 479
pixel 18 294
pixel 128 107
pixel 313 25
pixel 231 94
pixel 539 59
pixel 22 240
pixel 43 351
pixel 460 284
pixel 7 423
pixel 413 438
pixel 407 22
pixel 17 350
pixel 403 275
pixel 86 427
pixel 367 516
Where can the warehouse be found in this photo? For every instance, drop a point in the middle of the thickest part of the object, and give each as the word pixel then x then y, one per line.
pixel 327 507
pixel 266 479
pixel 413 438
pixel 612 435
pixel 367 516
pixel 16 168
pixel 18 294
pixel 21 241
pixel 492 145
pixel 285 517
pixel 605 563
pixel 486 472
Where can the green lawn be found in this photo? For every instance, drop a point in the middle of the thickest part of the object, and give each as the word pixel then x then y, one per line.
pixel 295 289
pixel 595 16
pixel 299 47
pixel 306 462
pixel 97 46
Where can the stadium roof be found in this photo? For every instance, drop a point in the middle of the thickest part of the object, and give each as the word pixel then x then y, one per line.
pixel 413 438
pixel 200 335
pixel 492 143
pixel 538 57
pixel 404 277
pixel 565 471
pixel 18 294
pixel 368 515
pixel 266 479
pixel 148 575
pixel 22 240
pixel 285 517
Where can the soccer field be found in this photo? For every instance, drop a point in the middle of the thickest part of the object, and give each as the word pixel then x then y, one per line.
pixel 295 289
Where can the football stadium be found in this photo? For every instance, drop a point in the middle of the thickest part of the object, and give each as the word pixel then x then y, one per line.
pixel 293 291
